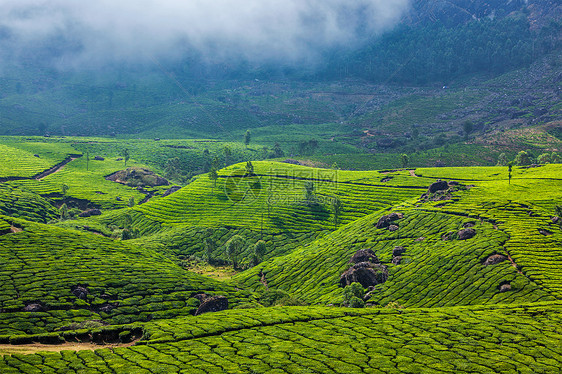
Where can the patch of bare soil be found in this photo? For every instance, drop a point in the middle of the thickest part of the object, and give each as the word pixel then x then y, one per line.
pixel 9 349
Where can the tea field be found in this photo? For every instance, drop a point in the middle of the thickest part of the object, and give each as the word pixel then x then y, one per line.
pixel 466 265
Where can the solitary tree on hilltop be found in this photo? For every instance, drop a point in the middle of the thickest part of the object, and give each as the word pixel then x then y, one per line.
pixel 509 169
pixel 249 168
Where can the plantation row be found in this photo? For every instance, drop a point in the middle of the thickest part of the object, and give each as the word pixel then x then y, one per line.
pixel 293 340
pixel 51 277
pixel 276 202
pixel 21 203
pixel 26 159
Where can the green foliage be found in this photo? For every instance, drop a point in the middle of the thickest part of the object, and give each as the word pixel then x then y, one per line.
pixel 502 160
pixel 523 158
pixel 404 160
pixel 353 295
pixel 126 155
pixel 260 249
pixel 234 247
pixel 247 138
pixel 249 168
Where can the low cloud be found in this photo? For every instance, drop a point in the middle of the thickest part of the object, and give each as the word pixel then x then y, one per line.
pixel 95 32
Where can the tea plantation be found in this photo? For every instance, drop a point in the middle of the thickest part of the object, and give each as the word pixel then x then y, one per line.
pixel 464 265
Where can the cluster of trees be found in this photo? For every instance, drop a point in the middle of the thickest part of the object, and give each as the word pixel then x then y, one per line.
pixel 435 52
pixel 527 157
pixel 235 247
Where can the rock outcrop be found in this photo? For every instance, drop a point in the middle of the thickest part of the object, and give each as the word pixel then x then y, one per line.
pixel 212 304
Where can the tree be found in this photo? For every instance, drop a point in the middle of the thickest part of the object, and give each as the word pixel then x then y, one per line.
pixel 126 155
pixel 337 208
pixel 523 158
pixel 335 166
pixel 131 202
pixel 64 189
pixel 234 248
pixel 214 173
pixel 249 168
pixel 227 154
pixel 404 159
pixel 543 159
pixel 259 251
pixel 502 160
pixel 555 158
pixel 87 160
pixel 210 246
pixel 309 193
pixel 509 169
pixel 247 138
pixel 467 127
pixel 353 295
pixel 63 211
pixel 277 151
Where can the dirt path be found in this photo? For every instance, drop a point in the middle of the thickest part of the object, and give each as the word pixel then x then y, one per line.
pixel 412 173
pixel 9 349
pixel 58 167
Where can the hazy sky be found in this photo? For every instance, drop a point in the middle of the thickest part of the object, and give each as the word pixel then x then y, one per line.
pixel 109 30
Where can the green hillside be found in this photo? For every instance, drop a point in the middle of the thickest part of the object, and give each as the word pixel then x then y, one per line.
pixel 42 265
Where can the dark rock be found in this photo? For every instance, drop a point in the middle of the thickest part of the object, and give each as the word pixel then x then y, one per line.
pixel 106 308
pixel 119 159
pixel 453 183
pixel 34 308
pixel 494 259
pixel 36 156
pixel 156 139
pixel 201 297
pixel 555 219
pixel 118 198
pixel 89 213
pixel 545 232
pixel 393 228
pixel 385 221
pixel 505 287
pixel 80 292
pixel 420 239
pixel 364 255
pixel 292 162
pixel 448 236
pixel 398 251
pixel 438 186
pixel 99 158
pixel 468 224
pixel 171 190
pixel 396 260
pixel 212 304
pixel 364 273
pixel 466 234
pixel 137 177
